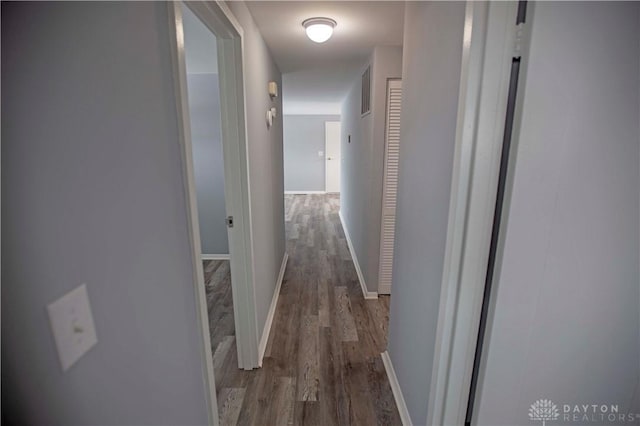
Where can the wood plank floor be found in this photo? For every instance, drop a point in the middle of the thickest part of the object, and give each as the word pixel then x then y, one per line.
pixel 217 281
pixel 322 364
pixel 222 332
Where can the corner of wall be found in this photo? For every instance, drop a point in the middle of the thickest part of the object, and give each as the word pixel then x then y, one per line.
pixel 405 417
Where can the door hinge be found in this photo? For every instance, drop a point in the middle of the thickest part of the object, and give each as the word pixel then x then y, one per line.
pixel 229 221
pixel 519 42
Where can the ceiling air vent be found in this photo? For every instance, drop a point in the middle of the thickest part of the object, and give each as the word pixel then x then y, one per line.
pixel 365 104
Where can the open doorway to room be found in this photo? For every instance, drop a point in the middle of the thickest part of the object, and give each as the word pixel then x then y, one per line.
pixel 201 59
pixel 210 104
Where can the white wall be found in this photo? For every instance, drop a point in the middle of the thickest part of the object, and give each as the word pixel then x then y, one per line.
pixel 304 137
pixel 363 161
pixel 92 192
pixel 566 324
pixel 431 75
pixel 265 162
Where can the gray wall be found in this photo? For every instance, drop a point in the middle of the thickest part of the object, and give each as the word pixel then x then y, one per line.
pixel 363 161
pixel 431 75
pixel 304 136
pixel 355 172
pixel 265 162
pixel 204 109
pixel 566 321
pixel 92 192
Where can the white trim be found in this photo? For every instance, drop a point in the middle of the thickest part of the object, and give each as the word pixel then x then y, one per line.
pixel 525 37
pixel 486 63
pixel 176 34
pixel 405 417
pixel 304 192
pixel 366 293
pixel 262 347
pixel 215 256
pixel 326 155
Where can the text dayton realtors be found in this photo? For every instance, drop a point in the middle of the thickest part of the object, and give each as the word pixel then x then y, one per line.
pixel 596 413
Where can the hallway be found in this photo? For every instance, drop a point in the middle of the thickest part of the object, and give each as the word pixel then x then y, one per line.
pixel 322 363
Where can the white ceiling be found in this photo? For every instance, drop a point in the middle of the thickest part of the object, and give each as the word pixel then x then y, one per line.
pixel 316 77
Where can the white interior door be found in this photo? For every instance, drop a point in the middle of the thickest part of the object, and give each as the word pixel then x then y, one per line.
pixel 332 156
pixel 390 185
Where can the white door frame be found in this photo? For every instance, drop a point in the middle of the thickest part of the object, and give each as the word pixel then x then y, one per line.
pixel 326 155
pixel 488 46
pixel 219 19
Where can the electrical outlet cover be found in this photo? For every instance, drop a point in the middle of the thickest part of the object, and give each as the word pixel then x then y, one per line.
pixel 72 326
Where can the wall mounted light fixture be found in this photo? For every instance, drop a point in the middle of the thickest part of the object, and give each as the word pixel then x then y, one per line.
pixel 318 29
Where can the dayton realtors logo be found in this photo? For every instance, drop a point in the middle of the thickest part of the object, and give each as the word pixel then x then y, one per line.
pixel 544 410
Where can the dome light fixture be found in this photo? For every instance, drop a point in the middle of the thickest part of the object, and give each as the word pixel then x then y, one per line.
pixel 319 30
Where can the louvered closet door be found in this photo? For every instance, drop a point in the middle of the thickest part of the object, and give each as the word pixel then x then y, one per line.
pixel 390 185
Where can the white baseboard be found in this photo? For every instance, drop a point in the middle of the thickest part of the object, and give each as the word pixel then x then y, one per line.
pixel 215 257
pixel 395 388
pixel 366 293
pixel 262 347
pixel 305 192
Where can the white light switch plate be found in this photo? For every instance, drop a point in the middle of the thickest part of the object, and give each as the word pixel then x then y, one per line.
pixel 320 153
pixel 72 326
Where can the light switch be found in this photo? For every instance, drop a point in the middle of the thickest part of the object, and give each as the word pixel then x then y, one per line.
pixel 72 326
pixel 320 153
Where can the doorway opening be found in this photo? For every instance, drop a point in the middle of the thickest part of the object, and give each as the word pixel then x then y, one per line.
pixel 206 56
pixel 203 92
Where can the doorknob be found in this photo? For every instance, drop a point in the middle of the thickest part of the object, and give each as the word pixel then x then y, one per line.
pixel 329 158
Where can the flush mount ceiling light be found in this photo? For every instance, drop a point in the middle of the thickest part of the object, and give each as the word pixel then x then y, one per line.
pixel 319 29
